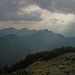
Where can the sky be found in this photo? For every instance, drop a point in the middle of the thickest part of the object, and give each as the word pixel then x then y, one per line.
pixel 55 15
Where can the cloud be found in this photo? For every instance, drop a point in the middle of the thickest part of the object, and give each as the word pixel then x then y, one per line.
pixel 65 6
pixel 33 16
pixel 11 9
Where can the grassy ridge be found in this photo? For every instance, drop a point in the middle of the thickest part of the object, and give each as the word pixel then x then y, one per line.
pixel 61 65
pixel 55 62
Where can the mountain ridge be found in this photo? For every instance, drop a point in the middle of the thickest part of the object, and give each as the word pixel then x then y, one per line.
pixel 30 41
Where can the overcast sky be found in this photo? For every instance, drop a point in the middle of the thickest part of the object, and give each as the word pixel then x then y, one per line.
pixel 55 15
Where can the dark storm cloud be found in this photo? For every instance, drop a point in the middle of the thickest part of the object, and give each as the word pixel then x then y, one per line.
pixel 43 3
pixel 7 6
pixel 13 6
pixel 9 10
pixel 26 17
pixel 65 6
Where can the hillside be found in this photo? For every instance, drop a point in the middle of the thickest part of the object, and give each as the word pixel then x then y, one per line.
pixel 11 50
pixel 43 40
pixel 60 61
pixel 61 65
pixel 16 44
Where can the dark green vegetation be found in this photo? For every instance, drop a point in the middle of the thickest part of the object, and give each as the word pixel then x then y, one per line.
pixel 16 44
pixel 60 61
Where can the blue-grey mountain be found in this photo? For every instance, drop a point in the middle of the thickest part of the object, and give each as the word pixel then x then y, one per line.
pixel 16 44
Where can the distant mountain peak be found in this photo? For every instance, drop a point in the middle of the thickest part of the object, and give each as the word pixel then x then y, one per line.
pixel 10 28
pixel 24 29
pixel 46 29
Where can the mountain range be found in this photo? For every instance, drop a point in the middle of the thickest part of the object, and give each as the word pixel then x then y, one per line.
pixel 16 44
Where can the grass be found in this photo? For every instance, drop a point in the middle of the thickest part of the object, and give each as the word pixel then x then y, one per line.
pixel 61 65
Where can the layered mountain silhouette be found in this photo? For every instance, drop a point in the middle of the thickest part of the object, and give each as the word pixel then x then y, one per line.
pixel 16 44
pixel 11 49
pixel 21 33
